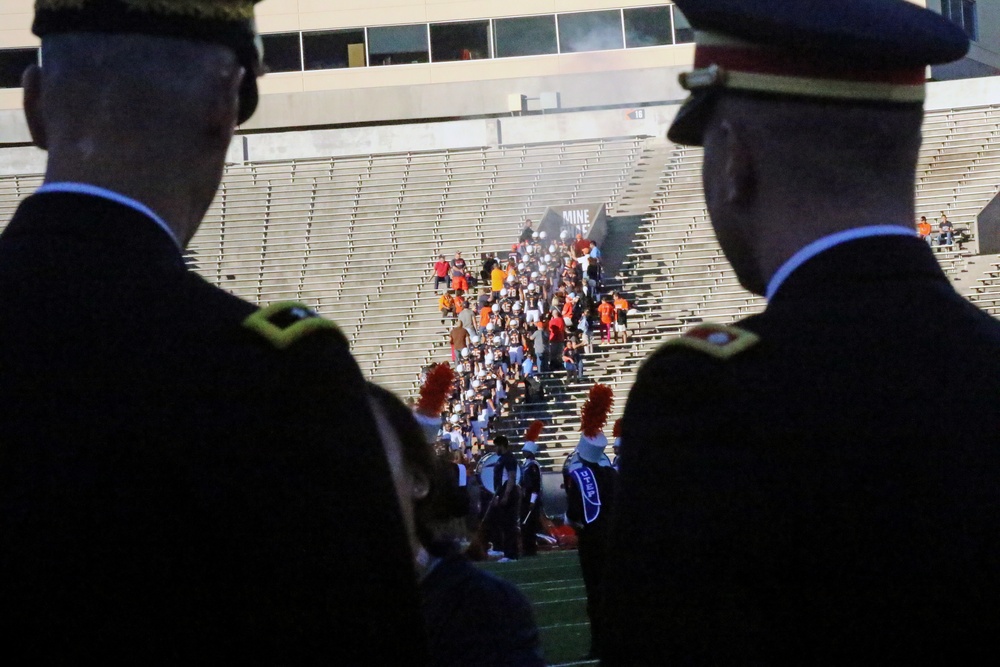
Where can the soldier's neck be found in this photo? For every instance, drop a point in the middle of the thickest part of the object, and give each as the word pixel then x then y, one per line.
pixel 170 193
pixel 788 224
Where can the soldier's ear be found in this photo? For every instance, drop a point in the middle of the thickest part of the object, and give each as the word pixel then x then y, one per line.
pixel 224 112
pixel 31 81
pixel 740 181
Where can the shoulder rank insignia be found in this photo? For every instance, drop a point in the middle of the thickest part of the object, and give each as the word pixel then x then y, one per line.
pixel 285 323
pixel 717 340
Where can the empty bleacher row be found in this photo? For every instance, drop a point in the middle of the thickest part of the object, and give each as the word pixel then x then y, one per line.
pixel 985 292
pixel 12 190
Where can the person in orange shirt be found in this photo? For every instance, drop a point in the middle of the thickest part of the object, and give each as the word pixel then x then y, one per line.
pixel 621 317
pixel 447 305
pixel 924 229
pixel 607 313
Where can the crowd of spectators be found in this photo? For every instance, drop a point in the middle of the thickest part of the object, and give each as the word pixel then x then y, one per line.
pixel 530 311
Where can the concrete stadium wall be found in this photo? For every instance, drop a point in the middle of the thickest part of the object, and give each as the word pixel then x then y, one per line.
pixel 598 84
pixel 529 129
pixel 417 137
pixel 963 93
pixel 583 80
pixel 451 135
pixel 15 23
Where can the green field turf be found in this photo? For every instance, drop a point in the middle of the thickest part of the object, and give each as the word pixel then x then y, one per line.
pixel 553 583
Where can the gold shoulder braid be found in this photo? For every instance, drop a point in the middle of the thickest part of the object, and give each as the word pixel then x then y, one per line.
pixel 283 324
pixel 716 340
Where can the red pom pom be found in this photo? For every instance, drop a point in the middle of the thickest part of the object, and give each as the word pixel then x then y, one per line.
pixel 534 430
pixel 617 432
pixel 435 391
pixel 595 411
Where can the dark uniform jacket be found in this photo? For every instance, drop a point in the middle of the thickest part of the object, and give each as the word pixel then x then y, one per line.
pixel 475 618
pixel 531 481
pixel 594 536
pixel 173 487
pixel 608 490
pixel 506 464
pixel 829 494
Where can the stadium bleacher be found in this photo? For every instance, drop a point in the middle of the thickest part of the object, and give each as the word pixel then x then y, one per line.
pixel 356 237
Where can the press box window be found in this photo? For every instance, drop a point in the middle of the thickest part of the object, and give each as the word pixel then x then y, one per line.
pixel 963 14
pixel 683 32
pixel 282 52
pixel 524 36
pixel 590 31
pixel 397 45
pixel 334 49
pixel 13 62
pixel 647 26
pixel 466 40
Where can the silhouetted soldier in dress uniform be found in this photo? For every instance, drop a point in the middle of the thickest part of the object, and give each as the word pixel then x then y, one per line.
pixel 783 499
pixel 174 484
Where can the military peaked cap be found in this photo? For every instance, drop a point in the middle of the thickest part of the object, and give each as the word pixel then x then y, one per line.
pixel 226 22
pixel 862 51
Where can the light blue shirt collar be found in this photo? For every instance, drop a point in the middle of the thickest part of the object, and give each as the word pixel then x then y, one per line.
pixel 825 243
pixel 104 193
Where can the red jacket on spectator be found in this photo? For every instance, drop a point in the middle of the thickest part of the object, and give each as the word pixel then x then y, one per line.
pixel 557 330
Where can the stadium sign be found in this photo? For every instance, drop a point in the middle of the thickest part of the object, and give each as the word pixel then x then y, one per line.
pixel 589 219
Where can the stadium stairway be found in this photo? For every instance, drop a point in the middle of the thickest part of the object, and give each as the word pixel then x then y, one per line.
pixel 420 338
pixel 644 180
pixel 984 289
